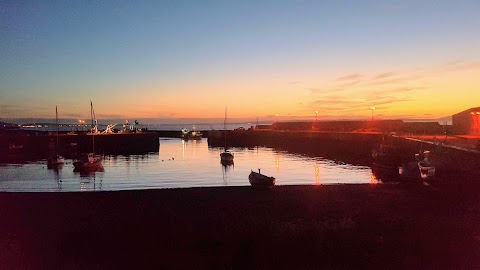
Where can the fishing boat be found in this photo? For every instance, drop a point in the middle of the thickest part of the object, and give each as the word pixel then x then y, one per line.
pixel 191 135
pixel 89 162
pixel 225 156
pixel 55 160
pixel 260 181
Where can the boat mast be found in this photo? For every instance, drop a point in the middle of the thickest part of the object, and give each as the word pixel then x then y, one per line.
pixel 93 134
pixel 225 130
pixel 56 123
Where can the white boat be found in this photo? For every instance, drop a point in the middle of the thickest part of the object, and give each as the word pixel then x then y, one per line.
pixel 260 181
pixel 225 156
pixel 191 135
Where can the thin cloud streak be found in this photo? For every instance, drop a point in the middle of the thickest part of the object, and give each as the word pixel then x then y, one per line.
pixel 349 77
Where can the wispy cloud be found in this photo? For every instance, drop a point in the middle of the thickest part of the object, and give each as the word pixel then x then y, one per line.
pixel 349 77
pixel 324 90
pixel 455 66
pixel 7 109
pixel 383 75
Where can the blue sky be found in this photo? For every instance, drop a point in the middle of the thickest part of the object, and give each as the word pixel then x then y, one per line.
pixel 193 58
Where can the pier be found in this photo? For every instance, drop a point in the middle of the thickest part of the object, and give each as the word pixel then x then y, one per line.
pixel 32 146
pixel 356 147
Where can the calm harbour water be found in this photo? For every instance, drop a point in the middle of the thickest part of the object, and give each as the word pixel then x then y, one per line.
pixel 183 164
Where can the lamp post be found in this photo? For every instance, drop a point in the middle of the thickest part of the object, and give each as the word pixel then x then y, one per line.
pixel 276 118
pixel 373 109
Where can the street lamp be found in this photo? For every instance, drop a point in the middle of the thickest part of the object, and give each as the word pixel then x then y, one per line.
pixel 373 109
pixel 276 117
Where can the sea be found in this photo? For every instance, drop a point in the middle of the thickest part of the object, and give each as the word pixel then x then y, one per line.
pixel 184 164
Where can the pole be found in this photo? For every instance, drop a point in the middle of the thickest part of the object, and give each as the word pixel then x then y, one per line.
pixel 225 130
pixel 56 123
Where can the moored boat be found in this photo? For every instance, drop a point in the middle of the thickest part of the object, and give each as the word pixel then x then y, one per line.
pixel 89 162
pixel 226 156
pixel 260 181
pixel 427 170
pixel 56 160
pixel 191 135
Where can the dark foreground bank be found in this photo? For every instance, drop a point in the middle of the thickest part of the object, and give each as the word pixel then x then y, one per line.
pixel 294 227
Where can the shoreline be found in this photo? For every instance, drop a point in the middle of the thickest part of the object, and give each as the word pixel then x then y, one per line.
pixel 299 227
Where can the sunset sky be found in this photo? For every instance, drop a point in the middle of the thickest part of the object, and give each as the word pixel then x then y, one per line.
pixel 191 59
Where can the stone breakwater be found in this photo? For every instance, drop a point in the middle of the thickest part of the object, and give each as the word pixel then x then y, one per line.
pixel 33 146
pixel 356 148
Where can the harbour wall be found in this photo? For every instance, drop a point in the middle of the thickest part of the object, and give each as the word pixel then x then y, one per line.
pixel 356 148
pixel 30 146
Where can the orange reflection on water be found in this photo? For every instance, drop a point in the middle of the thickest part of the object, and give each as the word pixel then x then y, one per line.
pixel 317 175
pixel 373 179
pixel 277 163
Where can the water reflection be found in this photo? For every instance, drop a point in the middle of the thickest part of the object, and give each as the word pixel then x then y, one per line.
pixel 317 174
pixel 373 179
pixel 384 173
pixel 57 176
pixel 226 167
pixel 184 164
pixel 88 181
pixel 277 162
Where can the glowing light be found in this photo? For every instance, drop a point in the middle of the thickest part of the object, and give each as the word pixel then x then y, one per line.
pixel 472 113
pixel 373 179
pixel 277 163
pixel 317 175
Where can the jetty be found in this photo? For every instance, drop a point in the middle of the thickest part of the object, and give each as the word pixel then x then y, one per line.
pixel 37 145
pixel 451 157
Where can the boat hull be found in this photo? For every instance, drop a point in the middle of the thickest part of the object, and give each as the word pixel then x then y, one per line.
pixel 88 165
pixel 261 181
pixel 427 171
pixel 226 157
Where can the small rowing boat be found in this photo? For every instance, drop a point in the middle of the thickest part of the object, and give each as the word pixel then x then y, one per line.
pixel 261 181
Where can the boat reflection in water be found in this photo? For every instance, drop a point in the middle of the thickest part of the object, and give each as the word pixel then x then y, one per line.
pixel 384 173
pixel 226 167
pixel 181 164
pixel 88 180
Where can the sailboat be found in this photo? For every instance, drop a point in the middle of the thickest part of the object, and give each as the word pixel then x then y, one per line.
pixel 225 157
pixel 90 162
pixel 55 161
